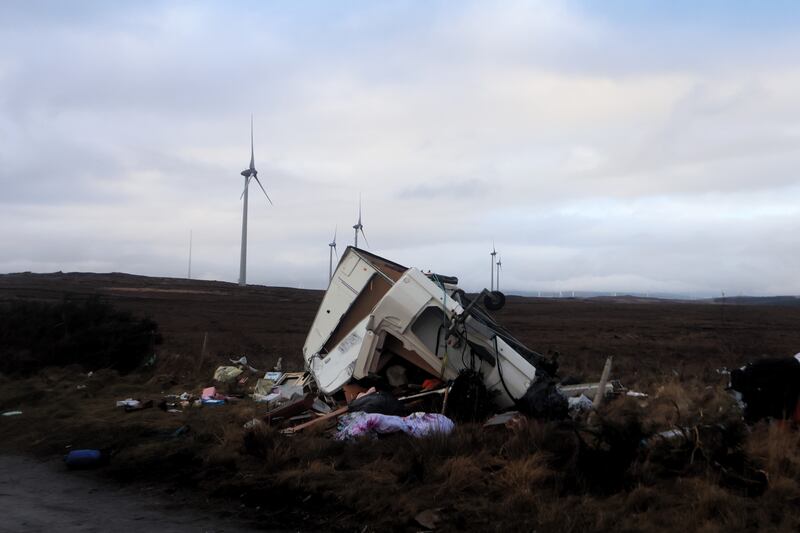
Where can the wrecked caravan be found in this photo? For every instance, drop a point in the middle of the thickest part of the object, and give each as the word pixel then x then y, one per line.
pixel 377 314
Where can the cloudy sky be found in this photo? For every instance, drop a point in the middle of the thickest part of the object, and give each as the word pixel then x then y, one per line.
pixel 610 146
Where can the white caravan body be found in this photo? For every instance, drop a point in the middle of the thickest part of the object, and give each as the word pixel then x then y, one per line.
pixel 375 311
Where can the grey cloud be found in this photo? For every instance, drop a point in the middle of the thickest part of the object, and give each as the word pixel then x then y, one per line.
pixel 444 188
pixel 591 162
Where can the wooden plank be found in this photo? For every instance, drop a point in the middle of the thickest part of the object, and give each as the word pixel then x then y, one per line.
pixel 301 427
pixel 601 388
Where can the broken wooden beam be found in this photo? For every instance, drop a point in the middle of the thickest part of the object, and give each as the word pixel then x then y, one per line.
pixel 301 427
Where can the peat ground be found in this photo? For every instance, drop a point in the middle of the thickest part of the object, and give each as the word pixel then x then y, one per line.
pixel 542 476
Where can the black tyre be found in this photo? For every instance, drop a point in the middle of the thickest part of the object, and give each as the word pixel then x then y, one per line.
pixel 494 301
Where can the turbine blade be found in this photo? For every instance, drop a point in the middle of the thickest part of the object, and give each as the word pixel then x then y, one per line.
pixel 359 209
pixel 252 150
pixel 337 253
pixel 365 237
pixel 335 229
pixel 246 183
pixel 263 190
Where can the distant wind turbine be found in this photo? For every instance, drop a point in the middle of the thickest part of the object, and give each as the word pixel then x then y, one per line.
pixel 248 173
pixel 332 246
pixel 499 266
pixel 494 253
pixel 359 226
pixel 190 255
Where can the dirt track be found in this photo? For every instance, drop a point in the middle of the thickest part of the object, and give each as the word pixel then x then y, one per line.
pixel 43 496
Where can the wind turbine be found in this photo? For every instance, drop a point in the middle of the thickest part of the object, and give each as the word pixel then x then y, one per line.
pixel 189 276
pixel 494 253
pixel 359 226
pixel 332 246
pixel 499 264
pixel 248 173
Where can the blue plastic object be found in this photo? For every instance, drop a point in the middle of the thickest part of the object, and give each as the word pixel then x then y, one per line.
pixel 83 458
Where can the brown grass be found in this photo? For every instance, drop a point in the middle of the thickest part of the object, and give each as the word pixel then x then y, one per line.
pixel 544 476
pixel 607 475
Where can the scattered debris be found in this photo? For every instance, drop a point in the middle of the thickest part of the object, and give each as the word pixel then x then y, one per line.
pixel 269 397
pixel 12 413
pixel 300 379
pixel 544 400
pixel 290 409
pixel 389 340
pixel 263 387
pixel 321 407
pixel 612 388
pixel 351 391
pixel 358 424
pixel 130 404
pixel 503 419
pixel 211 401
pixel 769 388
pixel 579 404
pixel 442 391
pixel 396 376
pixel 323 418
pixel 227 374
pixel 601 393
pixel 172 403
pixel 242 362
pixel 81 459
pixel 253 424
pixel 209 393
pixel 378 402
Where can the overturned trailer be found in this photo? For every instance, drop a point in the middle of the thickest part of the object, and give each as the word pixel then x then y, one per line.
pixel 377 313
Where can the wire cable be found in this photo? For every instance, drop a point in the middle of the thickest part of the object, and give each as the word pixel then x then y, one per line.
pixel 500 371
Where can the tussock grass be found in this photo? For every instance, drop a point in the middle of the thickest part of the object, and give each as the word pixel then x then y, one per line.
pixel 601 475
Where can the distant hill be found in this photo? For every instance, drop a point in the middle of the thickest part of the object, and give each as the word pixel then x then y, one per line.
pixel 788 301
pixel 638 297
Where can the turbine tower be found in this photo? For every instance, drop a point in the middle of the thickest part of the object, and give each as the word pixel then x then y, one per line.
pixel 359 226
pixel 494 253
pixel 499 264
pixel 189 276
pixel 332 246
pixel 248 173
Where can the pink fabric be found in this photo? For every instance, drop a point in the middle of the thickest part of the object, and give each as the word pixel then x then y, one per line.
pixel 362 394
pixel 208 393
pixel 352 425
